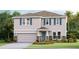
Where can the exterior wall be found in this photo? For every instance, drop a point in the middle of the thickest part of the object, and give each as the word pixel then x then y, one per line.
pixel 36 23
pixel 26 28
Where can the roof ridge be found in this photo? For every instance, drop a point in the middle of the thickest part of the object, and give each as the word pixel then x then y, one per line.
pixel 42 13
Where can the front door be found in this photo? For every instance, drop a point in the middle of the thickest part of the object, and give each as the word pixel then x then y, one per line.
pixel 43 36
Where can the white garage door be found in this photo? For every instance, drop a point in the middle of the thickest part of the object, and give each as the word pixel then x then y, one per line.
pixel 28 38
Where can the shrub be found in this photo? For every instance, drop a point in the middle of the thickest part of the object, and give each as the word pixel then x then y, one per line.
pixel 71 34
pixel 64 40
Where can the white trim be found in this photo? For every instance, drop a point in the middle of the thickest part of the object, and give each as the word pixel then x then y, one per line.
pixel 38 16
pixel 25 33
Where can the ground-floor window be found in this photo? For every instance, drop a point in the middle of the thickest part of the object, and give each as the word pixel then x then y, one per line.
pixel 54 35
pixel 59 35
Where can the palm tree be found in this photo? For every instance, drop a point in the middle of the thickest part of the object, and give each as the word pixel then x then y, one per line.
pixel 69 17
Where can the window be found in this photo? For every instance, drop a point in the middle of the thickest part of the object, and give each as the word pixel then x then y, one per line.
pixel 46 21
pixel 54 21
pixel 43 21
pixel 60 21
pixel 29 21
pixel 57 21
pixel 59 35
pixel 49 21
pixel 22 21
pixel 54 35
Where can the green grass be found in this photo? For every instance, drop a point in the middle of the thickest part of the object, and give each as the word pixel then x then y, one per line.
pixel 2 42
pixel 56 45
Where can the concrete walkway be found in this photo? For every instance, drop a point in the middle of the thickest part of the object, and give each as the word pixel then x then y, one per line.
pixel 15 46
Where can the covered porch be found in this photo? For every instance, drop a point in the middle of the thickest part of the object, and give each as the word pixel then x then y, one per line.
pixel 43 34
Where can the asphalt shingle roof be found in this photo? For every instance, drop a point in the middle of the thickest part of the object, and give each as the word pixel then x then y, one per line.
pixel 42 13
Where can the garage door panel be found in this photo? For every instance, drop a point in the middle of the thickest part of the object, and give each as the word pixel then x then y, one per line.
pixel 26 38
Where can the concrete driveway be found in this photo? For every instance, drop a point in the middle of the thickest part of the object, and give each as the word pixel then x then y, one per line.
pixel 15 46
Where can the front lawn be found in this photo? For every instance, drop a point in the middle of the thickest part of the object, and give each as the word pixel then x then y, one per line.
pixel 56 45
pixel 2 42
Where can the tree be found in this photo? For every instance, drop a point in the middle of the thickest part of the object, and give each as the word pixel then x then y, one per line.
pixel 6 24
pixel 15 13
pixel 69 15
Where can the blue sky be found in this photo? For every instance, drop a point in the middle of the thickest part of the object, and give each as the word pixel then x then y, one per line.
pixel 32 11
pixel 58 6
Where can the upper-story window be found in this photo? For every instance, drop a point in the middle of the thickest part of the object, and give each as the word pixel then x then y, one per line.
pixel 54 21
pixel 57 21
pixel 22 21
pixel 60 21
pixel 29 21
pixel 50 21
pixel 46 21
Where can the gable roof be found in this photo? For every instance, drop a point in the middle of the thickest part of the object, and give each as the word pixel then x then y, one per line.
pixel 42 13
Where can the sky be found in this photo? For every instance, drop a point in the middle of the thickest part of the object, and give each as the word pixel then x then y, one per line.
pixel 59 6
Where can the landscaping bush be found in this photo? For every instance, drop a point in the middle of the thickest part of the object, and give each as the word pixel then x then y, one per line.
pixel 71 34
pixel 44 42
pixel 64 40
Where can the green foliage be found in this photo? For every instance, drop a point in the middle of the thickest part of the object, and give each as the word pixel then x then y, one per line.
pixel 6 25
pixel 73 24
pixel 15 13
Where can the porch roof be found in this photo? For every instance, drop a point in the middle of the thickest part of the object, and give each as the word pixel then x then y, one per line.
pixel 42 29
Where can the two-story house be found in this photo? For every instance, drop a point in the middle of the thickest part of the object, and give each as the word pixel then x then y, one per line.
pixel 42 25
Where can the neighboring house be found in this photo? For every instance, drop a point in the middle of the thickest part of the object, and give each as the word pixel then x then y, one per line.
pixel 40 26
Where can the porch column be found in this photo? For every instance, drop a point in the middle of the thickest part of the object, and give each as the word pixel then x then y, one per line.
pixel 38 35
pixel 47 36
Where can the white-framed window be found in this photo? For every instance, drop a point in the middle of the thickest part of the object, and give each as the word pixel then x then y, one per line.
pixel 59 35
pixel 22 21
pixel 46 21
pixel 60 21
pixel 50 21
pixel 29 21
pixel 54 21
pixel 54 35
pixel 57 21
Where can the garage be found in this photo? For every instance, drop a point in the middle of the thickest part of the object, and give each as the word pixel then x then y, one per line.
pixel 27 38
